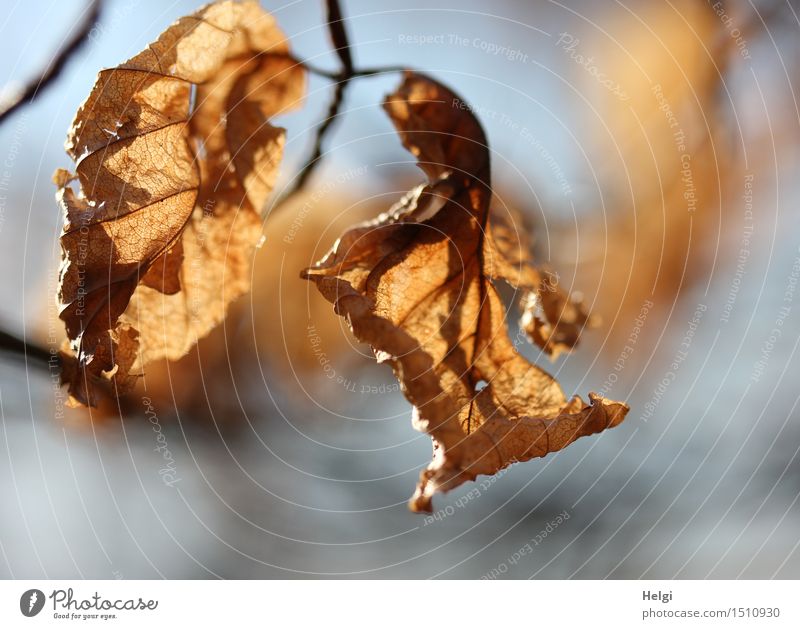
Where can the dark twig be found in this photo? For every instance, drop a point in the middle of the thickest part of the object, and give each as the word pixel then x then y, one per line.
pixel 381 70
pixel 55 67
pixel 338 34
pixel 16 346
pixel 9 343
pixel 342 47
pixel 322 131
pixel 333 76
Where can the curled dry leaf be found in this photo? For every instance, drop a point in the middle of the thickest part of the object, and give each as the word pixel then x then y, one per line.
pixel 419 285
pixel 552 319
pixel 175 157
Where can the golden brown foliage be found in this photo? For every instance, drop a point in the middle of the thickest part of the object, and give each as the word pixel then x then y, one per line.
pixel 419 285
pixel 160 241
pixel 175 157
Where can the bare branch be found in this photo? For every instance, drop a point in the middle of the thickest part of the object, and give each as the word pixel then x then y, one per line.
pixel 342 47
pixel 20 348
pixel 339 36
pixel 56 65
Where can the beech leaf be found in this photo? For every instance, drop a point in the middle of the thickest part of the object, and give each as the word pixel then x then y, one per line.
pixel 419 284
pixel 174 157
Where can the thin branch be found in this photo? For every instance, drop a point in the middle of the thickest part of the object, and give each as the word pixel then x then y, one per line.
pixel 380 70
pixel 313 159
pixel 55 67
pixel 20 348
pixel 342 47
pixel 307 169
pixel 339 37
pixel 9 343
pixel 333 76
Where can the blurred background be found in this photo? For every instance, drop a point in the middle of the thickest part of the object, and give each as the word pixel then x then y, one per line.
pixel 653 149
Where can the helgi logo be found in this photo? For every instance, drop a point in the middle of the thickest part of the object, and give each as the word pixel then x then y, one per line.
pixel 31 602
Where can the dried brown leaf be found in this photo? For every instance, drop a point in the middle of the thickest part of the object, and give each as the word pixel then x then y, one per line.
pixel 175 157
pixel 419 285
pixel 552 319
